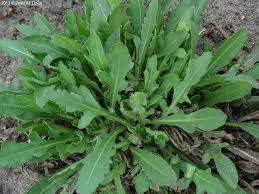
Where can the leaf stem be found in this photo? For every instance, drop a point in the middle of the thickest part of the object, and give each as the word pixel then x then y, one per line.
pixel 229 124
pixel 116 118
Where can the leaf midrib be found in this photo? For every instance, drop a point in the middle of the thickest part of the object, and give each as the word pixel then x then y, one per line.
pixel 148 162
pixel 47 144
pixel 212 66
pixel 99 157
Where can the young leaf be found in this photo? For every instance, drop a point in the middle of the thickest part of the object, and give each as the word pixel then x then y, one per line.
pixel 15 49
pixel 225 167
pixel 96 53
pixel 151 74
pixel 146 31
pixel 195 71
pixel 120 64
pixel 156 168
pixel 199 7
pixel 100 13
pixel 172 42
pixel 96 165
pixel 43 25
pixel 228 92
pixel 75 25
pixel 137 13
pixel 177 15
pixel 206 119
pixel 66 77
pixel 138 101
pixel 205 182
pixel 227 51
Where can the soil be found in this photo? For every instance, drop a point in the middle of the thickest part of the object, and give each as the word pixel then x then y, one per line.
pixel 222 18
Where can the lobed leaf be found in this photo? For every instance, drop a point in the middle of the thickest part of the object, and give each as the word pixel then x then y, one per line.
pixel 227 51
pixel 120 65
pixel 137 12
pixel 195 71
pixel 205 182
pixel 16 49
pixel 156 168
pixel 96 165
pixel 146 31
pixel 227 92
pixel 206 119
pixel 15 154
pixel 150 75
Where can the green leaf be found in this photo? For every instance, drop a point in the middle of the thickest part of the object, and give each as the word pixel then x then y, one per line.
pixel 205 182
pixel 113 39
pixel 251 128
pixel 195 71
pixel 19 105
pixel 228 92
pixel 82 102
pixel 96 53
pixel 75 25
pixel 15 49
pixel 253 72
pixel 141 183
pixel 146 31
pixel 43 25
pixel 206 119
pixel 138 101
pixel 50 185
pixel 120 64
pixel 65 42
pixel 155 167
pixel 150 75
pixel 225 167
pixel 41 95
pixel 137 12
pixel 27 30
pixel 96 165
pixel 40 44
pixel 252 58
pixel 240 77
pixel 117 180
pixel 199 8
pixel 177 15
pixel 160 137
pixel 172 42
pixel 14 154
pixel 100 13
pixel 66 77
pixel 227 51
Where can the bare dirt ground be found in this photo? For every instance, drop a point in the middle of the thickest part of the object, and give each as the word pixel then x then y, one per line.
pixel 223 17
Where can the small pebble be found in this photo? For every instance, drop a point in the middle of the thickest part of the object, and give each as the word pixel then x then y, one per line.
pixel 242 17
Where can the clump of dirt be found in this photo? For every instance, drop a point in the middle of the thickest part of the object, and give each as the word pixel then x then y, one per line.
pixel 224 17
